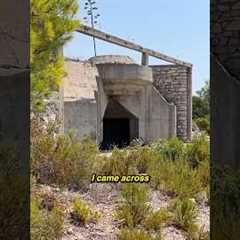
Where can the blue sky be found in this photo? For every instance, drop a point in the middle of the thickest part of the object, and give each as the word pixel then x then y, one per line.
pixel 177 28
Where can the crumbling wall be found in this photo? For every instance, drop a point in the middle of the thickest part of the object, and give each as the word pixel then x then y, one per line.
pixel 174 83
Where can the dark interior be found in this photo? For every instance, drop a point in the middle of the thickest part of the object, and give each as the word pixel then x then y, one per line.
pixel 116 132
pixel 120 126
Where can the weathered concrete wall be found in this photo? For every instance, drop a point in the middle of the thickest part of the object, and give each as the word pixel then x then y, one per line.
pixel 162 117
pixel 174 83
pixel 80 93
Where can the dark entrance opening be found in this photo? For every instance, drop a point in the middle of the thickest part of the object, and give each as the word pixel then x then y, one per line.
pixel 120 126
pixel 116 132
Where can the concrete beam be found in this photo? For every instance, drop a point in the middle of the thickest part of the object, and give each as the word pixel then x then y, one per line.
pixel 127 44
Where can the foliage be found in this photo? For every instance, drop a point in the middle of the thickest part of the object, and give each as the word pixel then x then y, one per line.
pixel 198 150
pixel 170 149
pixel 62 159
pixel 184 214
pixel 176 178
pixel 155 220
pixel 52 25
pixel 46 225
pixel 134 207
pixel 82 212
pixel 121 162
pixel 203 124
pixel 136 234
pixel 201 103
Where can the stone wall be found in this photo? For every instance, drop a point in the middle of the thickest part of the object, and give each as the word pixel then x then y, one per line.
pixel 174 83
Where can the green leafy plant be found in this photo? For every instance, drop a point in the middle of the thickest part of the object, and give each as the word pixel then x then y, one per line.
pixel 134 208
pixel 203 124
pixel 82 213
pixel 119 163
pixel 46 225
pixel 170 149
pixel 52 25
pixel 176 178
pixel 136 234
pixel 198 150
pixel 184 214
pixel 155 220
pixel 61 159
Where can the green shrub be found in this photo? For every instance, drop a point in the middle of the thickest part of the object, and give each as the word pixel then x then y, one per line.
pixel 82 213
pixel 119 163
pixel 155 220
pixel 130 234
pixel 198 150
pixel 184 215
pixel 203 124
pixel 62 159
pixel 198 235
pixel 136 234
pixel 143 157
pixel 46 225
pixel 175 178
pixel 170 149
pixel 133 208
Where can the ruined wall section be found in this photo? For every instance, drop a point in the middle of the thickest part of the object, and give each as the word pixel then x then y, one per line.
pixel 80 92
pixel 175 84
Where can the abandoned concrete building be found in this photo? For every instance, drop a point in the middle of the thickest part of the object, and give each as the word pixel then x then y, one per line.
pixel 115 100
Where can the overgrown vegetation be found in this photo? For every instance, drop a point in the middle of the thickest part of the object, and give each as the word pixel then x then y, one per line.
pixel 177 169
pixel 82 213
pixel 61 159
pixel 134 208
pixel 201 108
pixel 45 224
pixel 136 234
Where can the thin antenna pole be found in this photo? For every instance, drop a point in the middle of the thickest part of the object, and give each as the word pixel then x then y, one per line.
pixel 92 23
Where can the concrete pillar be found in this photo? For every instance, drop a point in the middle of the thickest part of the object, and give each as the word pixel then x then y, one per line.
pixel 145 59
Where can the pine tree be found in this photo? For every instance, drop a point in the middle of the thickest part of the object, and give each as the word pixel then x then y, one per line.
pixel 52 25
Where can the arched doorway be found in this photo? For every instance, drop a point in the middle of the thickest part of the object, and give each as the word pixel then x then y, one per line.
pixel 120 126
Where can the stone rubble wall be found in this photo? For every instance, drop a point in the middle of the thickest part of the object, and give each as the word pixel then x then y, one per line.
pixel 174 83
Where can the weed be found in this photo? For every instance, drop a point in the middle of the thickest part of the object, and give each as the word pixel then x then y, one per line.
pixel 46 225
pixel 82 213
pixel 171 149
pixel 184 214
pixel 134 207
pixel 198 150
pixel 62 159
pixel 155 220
pixel 136 234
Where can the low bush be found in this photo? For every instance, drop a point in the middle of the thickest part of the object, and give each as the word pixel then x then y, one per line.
pixel 82 213
pixel 170 149
pixel 46 225
pixel 155 220
pixel 203 124
pixel 176 178
pixel 198 150
pixel 134 208
pixel 119 163
pixel 184 215
pixel 62 159
pixel 136 234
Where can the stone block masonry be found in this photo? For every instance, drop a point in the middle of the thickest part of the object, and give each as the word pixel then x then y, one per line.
pixel 174 83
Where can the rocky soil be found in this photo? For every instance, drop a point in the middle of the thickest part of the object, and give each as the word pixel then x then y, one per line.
pixel 103 198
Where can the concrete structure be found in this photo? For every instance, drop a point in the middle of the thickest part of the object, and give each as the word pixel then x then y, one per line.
pixel 114 100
